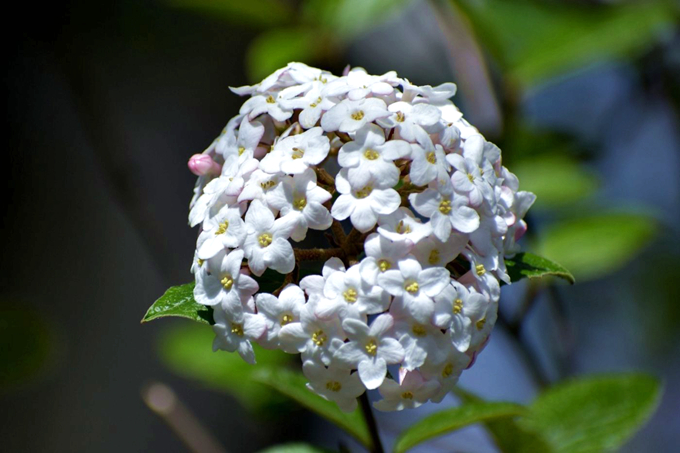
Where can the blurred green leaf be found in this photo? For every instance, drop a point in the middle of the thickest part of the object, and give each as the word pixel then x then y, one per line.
pixel 293 385
pixel 535 40
pixel 260 13
pixel 293 448
pixel 179 301
pixel 276 48
pixel 449 420
pixel 27 347
pixel 593 246
pixel 349 18
pixel 507 434
pixel 528 265
pixel 593 414
pixel 186 351
pixel 556 180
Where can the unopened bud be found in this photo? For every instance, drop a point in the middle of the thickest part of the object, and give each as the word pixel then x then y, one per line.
pixel 202 164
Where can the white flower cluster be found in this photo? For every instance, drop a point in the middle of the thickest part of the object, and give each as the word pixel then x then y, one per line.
pixel 408 297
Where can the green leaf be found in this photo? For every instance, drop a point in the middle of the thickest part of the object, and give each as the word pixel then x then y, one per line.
pixel 535 40
pixel 179 301
pixel 186 351
pixel 528 265
pixel 597 245
pixel 276 48
pixel 556 180
pixel 293 385
pixel 293 448
pixel 258 13
pixel 449 420
pixel 594 414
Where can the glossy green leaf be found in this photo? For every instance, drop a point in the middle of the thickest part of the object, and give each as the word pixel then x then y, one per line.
pixel 179 301
pixel 535 40
pixel 593 414
pixel 293 385
pixel 596 245
pixel 557 180
pixel 449 420
pixel 528 265
pixel 293 448
pixel 186 350
pixel 507 434
pixel 259 13
pixel 276 48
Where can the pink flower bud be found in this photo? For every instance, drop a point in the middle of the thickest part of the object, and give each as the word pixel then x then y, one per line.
pixel 202 164
pixel 521 229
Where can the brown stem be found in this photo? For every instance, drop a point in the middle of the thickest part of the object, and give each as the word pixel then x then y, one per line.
pixel 324 176
pixel 371 424
pixel 318 254
pixel 338 232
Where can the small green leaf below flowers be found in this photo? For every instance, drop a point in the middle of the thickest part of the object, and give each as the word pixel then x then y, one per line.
pixel 179 301
pixel 296 447
pixel 449 420
pixel 293 385
pixel 593 414
pixel 528 265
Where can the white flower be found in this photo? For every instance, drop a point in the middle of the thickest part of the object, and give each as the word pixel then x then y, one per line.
pixel 447 372
pixel 296 153
pixel 468 179
pixel 446 211
pixel 438 93
pixel 369 156
pixel 414 287
pixel 350 116
pixel 381 254
pixel 412 122
pixel 345 294
pixel 267 103
pixel 266 244
pixel 315 338
pixel 313 284
pixel 402 226
pixel 225 284
pixel 370 349
pixel 258 185
pixel 300 201
pixel 312 102
pixel 363 205
pixel 432 252
pixel 421 341
pixel 244 143
pixel 234 330
pixel 358 84
pixel 224 231
pixel 411 392
pixel 279 311
pixel 334 384
pixel 454 307
pixel 429 164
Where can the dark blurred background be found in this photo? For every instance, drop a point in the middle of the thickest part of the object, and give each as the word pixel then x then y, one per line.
pixel 108 100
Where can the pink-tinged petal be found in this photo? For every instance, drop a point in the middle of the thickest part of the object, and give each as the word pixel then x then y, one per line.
pixel 312 284
pixel 335 284
pixel 253 326
pixel 381 325
pixel 392 281
pixel 433 280
pixel 267 303
pixel 247 285
pixel 279 256
pixel 372 372
pixel 363 218
pixel 385 202
pixel 350 355
pixel 245 350
pixel 343 207
pixel 202 164
pixel 293 337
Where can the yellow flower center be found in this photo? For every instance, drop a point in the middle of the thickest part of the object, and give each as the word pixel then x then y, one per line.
pixel 315 103
pixel 431 157
pixel 371 154
pixel 222 228
pixel 400 117
pixel 227 282
pixel 350 295
pixel 270 99
pixel 434 257
pixel 286 319
pixel 480 323
pixel 200 262
pixel 363 193
pixel 403 228
pixel 411 287
pixel 418 330
pixel 371 347
pixel 267 185
pixel 358 115
pixel 383 265
pixel 470 177
pixel 241 150
pixel 480 269
pixel 237 329
pixel 445 206
pixel 319 337
pixel 333 386
pixel 407 395
pixel 265 239
pixel 300 203
pixel 297 153
pixel 457 306
pixel 447 371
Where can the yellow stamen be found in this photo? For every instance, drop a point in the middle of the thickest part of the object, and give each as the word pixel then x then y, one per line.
pixel 412 287
pixel 241 150
pixel 315 103
pixel 457 306
pixel 407 395
pixel 431 157
pixel 297 153
pixel 480 323
pixel 447 371
pixel 350 295
pixel 470 177
pixel 371 154
pixel 333 386
pixel 418 330
pixel 237 329
pixel 286 319
pixel 434 257
pixel 319 337
pixel 371 347
pixel 227 282
pixel 222 228
pixel 358 115
pixel 267 185
pixel 265 239
pixel 445 206
pixel 400 117
pixel 480 269
pixel 300 203
pixel 403 228
pixel 270 100
pixel 366 191
pixel 200 262
pixel 384 265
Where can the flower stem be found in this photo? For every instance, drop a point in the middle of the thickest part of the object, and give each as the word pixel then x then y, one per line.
pixel 317 254
pixel 370 423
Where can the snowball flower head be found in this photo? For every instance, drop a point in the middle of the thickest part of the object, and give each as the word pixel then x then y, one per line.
pixel 360 222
